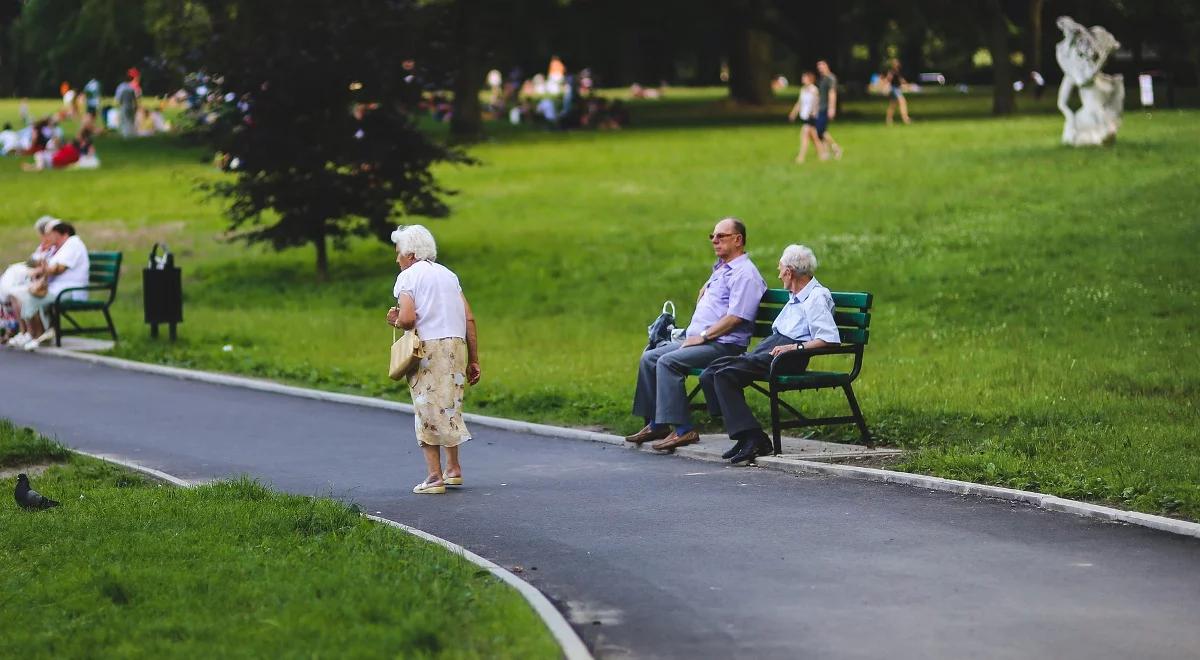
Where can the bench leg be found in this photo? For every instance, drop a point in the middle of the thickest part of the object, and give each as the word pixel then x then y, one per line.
pixel 858 416
pixel 56 323
pixel 776 432
pixel 111 327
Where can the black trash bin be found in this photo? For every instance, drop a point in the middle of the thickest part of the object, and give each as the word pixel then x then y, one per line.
pixel 162 291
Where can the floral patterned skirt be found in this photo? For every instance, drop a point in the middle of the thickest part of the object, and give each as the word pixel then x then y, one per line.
pixel 437 386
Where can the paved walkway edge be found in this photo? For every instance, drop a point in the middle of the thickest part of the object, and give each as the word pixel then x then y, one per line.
pixel 780 463
pixel 572 646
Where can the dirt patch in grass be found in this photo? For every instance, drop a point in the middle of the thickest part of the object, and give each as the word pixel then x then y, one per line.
pixel 31 470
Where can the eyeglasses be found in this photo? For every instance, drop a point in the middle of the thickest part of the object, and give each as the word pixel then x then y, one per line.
pixel 719 237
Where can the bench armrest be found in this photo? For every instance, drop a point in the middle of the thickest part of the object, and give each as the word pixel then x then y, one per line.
pixel 796 362
pixel 90 287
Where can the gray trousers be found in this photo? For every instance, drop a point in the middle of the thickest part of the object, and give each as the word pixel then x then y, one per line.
pixel 661 395
pixel 725 381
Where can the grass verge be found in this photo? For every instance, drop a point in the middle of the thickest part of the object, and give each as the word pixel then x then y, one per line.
pixel 128 567
pixel 1036 306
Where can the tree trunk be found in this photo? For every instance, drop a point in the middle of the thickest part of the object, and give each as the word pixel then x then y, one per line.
pixel 1034 56
pixel 322 257
pixel 749 55
pixel 750 66
pixel 466 119
pixel 1003 99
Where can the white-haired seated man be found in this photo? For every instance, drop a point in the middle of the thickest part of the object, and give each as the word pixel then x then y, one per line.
pixel 806 321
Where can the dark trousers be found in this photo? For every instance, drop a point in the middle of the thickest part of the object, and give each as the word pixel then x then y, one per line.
pixel 725 381
pixel 660 395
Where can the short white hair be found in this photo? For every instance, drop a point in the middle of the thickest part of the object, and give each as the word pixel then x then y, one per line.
pixel 415 240
pixel 46 223
pixel 799 258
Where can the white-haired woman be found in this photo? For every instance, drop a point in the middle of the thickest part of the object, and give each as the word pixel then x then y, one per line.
pixel 430 300
pixel 14 289
pixel 805 322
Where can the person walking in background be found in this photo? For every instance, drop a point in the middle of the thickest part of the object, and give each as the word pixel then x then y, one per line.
pixel 805 322
pixel 91 93
pixel 721 326
pixel 806 110
pixel 127 101
pixel 895 80
pixel 430 301
pixel 826 109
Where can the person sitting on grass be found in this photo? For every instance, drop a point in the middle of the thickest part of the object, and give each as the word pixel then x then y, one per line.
pixel 64 156
pixel 10 140
pixel 721 326
pixel 805 322
pixel 66 269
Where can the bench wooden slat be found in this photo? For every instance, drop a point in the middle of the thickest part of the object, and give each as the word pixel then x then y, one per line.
pixel 860 300
pixel 775 297
pixel 852 319
pixel 854 335
pixel 860 319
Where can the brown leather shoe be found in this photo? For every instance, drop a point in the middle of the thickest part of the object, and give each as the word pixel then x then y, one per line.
pixel 647 434
pixel 674 440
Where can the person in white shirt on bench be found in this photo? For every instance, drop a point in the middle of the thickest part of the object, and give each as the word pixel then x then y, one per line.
pixel 806 321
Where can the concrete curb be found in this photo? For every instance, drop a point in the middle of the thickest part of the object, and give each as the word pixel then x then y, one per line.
pixel 572 646
pixel 779 463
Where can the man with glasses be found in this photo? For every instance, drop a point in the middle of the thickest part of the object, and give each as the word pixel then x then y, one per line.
pixel 721 326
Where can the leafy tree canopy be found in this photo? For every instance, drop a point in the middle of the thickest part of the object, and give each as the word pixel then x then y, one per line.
pixel 311 111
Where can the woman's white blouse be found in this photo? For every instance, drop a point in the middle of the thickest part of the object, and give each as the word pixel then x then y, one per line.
pixel 437 296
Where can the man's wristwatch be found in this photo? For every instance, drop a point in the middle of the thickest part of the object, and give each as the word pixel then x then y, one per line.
pixel 704 336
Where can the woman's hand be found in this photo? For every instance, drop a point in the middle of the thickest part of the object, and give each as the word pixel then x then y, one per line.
pixel 393 316
pixel 473 373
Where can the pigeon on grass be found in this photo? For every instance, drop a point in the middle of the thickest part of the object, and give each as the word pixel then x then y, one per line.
pixel 29 498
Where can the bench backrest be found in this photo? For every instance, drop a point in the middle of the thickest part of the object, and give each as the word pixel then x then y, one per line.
pixel 852 313
pixel 104 268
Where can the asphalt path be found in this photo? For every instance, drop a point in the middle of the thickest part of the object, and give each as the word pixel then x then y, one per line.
pixel 654 556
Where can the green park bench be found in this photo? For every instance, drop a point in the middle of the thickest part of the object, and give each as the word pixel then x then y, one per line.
pixel 790 372
pixel 103 274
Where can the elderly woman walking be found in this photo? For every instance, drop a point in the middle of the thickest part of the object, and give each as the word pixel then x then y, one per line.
pixel 430 300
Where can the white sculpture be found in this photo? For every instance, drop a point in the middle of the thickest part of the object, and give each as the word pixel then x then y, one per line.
pixel 1081 54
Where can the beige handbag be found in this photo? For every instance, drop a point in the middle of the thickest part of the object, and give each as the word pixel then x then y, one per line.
pixel 406 354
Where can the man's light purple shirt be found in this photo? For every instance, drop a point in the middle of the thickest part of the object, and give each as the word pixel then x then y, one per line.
pixel 734 288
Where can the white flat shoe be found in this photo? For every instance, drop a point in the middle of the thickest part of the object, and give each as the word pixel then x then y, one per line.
pixel 33 344
pixel 426 488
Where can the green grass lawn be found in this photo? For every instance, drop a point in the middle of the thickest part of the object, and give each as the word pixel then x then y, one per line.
pixel 128 567
pixel 1035 305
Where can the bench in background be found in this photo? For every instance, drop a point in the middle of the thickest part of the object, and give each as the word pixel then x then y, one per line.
pixel 790 371
pixel 103 274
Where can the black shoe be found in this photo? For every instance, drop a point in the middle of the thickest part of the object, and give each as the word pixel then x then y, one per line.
pixel 735 449
pixel 760 446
